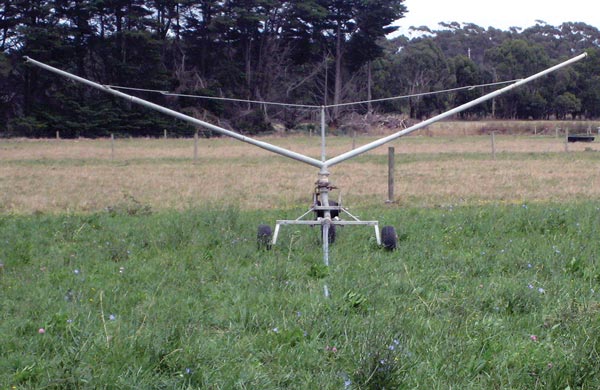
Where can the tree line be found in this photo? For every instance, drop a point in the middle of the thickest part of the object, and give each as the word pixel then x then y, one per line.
pixel 309 52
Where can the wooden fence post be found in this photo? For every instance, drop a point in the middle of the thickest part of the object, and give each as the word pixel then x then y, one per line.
pixel 196 147
pixel 391 164
pixel 112 146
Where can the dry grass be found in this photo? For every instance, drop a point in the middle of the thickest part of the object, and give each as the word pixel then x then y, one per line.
pixel 549 128
pixel 80 176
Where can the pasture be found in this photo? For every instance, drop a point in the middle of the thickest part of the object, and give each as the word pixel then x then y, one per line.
pixel 87 176
pixel 139 268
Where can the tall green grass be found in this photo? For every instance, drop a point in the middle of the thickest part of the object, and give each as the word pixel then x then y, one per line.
pixel 475 298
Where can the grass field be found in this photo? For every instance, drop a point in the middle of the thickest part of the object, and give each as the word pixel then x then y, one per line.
pixel 85 176
pixel 137 273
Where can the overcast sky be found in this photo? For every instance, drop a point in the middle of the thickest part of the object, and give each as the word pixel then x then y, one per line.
pixel 500 14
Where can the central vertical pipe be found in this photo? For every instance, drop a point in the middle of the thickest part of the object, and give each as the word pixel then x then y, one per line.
pixel 323 189
pixel 323 154
pixel 326 244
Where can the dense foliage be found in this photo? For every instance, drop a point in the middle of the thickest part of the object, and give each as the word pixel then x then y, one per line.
pixel 310 52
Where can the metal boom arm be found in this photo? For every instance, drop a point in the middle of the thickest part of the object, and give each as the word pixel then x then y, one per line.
pixel 164 110
pixel 323 165
pixel 491 95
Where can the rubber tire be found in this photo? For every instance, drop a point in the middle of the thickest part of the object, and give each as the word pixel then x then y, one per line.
pixel 263 237
pixel 331 233
pixel 389 238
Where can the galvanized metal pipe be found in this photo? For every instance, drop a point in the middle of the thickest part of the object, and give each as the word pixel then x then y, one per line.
pixel 264 145
pixel 323 151
pixel 491 95
pixel 297 156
